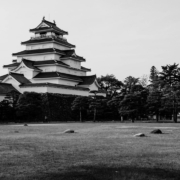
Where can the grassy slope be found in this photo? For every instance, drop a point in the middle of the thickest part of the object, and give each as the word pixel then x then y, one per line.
pixel 96 151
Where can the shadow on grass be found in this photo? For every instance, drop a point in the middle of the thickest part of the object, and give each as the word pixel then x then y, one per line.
pixel 108 173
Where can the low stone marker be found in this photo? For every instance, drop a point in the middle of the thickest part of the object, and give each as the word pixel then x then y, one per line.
pixel 156 131
pixel 139 135
pixel 69 131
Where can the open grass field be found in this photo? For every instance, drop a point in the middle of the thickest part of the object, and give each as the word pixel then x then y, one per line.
pixel 106 151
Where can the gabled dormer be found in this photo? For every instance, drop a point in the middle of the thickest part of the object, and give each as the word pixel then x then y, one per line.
pixel 27 68
pixel 16 79
pixel 47 26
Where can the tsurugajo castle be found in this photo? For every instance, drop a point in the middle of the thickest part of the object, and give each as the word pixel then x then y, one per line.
pixel 49 64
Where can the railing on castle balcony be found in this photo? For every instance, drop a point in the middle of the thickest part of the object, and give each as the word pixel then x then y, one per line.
pixel 43 36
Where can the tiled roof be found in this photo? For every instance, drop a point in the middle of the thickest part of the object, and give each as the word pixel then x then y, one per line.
pixel 30 64
pixel 52 27
pixel 71 53
pixel 6 88
pixel 11 65
pixel 3 77
pixel 49 23
pixel 57 75
pixel 86 69
pixel 47 40
pixel 37 51
pixel 36 63
pixel 20 78
pixel 87 80
pixel 54 85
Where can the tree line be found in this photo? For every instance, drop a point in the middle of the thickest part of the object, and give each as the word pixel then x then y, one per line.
pixel 140 98
pixel 132 99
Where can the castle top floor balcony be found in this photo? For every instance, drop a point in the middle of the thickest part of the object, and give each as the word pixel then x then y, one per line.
pixel 44 36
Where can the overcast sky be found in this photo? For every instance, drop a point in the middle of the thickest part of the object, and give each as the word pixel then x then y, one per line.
pixel 120 37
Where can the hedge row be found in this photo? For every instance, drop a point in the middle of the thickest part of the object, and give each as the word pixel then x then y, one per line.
pixel 44 107
pixel 47 107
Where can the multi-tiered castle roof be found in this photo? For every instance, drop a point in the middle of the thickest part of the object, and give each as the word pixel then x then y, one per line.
pixel 49 64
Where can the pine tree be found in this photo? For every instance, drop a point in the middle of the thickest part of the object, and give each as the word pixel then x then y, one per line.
pixel 80 103
pixel 169 79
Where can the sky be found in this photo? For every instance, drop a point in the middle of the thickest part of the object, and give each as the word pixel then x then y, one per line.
pixel 119 37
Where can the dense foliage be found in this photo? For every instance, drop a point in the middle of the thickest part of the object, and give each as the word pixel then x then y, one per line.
pixel 131 99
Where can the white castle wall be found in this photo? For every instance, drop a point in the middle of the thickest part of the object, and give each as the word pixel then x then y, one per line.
pixel 93 87
pixel 46 80
pixel 39 57
pixel 73 63
pixel 45 46
pixel 62 70
pixel 71 71
pixel 55 81
pixel 48 68
pixel 34 89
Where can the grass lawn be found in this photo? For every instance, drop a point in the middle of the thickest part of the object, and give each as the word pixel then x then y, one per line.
pixel 106 151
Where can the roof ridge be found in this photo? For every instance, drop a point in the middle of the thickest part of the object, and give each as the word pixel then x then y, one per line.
pixel 53 23
pixel 30 64
pixel 46 50
pixel 23 59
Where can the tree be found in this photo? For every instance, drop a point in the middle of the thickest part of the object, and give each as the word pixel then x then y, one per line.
pixel 131 84
pixel 169 80
pixel 133 105
pixel 94 103
pixel 154 103
pixel 129 106
pixel 153 75
pixel 143 80
pixel 6 111
pixel 12 98
pixel 114 104
pixel 131 101
pixel 169 75
pixel 80 103
pixel 29 106
pixel 171 100
pixel 110 84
